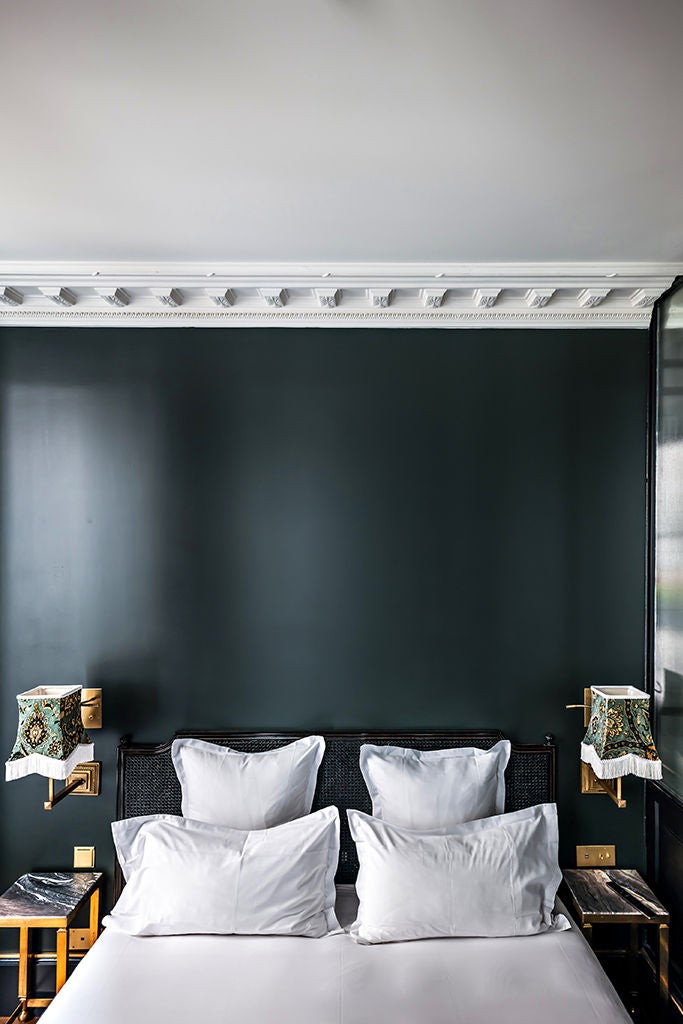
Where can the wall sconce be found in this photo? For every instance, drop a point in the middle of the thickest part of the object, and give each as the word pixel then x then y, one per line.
pixel 618 739
pixel 51 740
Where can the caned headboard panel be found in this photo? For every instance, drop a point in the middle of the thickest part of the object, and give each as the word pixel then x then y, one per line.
pixel 147 783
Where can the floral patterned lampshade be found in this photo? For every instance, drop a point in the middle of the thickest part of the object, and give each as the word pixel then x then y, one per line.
pixel 618 740
pixel 50 739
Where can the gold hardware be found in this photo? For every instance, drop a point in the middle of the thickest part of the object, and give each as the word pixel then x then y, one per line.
pixel 88 773
pixel 590 783
pixel 676 1005
pixel 14 1015
pixel 83 781
pixel 91 708
pixel 84 857
pixel 54 798
pixel 587 703
pixel 79 939
pixel 596 856
pixel 13 957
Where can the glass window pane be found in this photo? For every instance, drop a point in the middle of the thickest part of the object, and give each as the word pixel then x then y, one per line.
pixel 668 526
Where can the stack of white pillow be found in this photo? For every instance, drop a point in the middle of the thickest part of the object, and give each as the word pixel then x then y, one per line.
pixel 437 857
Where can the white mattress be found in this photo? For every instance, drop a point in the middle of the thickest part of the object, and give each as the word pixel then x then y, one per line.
pixel 281 980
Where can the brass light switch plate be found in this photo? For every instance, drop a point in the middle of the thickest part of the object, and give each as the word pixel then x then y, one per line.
pixel 596 856
pixel 84 856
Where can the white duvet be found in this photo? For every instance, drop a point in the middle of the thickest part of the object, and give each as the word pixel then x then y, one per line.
pixel 282 980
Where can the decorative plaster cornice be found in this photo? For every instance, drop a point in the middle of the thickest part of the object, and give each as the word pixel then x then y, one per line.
pixel 386 295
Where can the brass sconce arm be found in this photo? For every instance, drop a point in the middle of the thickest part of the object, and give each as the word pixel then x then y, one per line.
pixel 54 798
pixel 83 781
pixel 586 705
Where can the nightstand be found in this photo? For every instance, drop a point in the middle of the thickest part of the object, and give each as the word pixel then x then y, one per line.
pixel 596 901
pixel 48 899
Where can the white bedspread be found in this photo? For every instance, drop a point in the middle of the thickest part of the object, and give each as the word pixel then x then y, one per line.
pixel 280 980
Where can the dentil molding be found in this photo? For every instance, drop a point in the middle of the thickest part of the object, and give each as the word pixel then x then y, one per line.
pixel 348 294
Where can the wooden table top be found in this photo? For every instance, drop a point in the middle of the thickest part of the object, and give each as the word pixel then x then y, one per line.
pixel 47 896
pixel 597 901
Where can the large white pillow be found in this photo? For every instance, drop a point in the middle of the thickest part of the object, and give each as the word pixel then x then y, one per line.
pixel 495 876
pixel 187 877
pixel 227 787
pixel 424 789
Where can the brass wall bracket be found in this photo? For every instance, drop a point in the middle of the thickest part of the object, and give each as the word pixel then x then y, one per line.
pixel 88 774
pixel 91 708
pixel 590 783
pixel 83 781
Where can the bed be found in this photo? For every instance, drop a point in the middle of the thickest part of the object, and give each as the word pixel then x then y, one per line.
pixel 333 980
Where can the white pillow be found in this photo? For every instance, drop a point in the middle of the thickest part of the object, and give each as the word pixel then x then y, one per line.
pixel 185 877
pixel 424 789
pixel 495 876
pixel 226 787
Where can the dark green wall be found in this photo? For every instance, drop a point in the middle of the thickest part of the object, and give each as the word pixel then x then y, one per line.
pixel 320 528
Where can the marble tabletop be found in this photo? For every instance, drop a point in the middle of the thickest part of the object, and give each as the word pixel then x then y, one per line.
pixel 44 894
pixel 597 897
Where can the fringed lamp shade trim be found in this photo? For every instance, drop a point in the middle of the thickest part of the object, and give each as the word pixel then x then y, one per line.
pixel 618 740
pixel 50 739
pixel 627 764
pixel 50 767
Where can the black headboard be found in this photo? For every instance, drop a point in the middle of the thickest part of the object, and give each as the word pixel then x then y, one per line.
pixel 147 782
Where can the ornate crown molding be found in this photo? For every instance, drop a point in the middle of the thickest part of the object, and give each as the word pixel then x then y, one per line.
pixel 348 294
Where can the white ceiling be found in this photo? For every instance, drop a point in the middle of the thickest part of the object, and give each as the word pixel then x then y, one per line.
pixel 345 130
